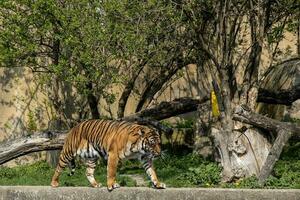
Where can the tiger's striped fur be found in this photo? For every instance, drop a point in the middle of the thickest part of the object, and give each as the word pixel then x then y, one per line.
pixel 113 140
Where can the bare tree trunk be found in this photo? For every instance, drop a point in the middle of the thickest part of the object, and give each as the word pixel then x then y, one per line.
pixel 285 97
pixel 157 83
pixel 245 115
pixel 126 93
pixel 55 126
pixel 298 38
pixel 168 109
pixel 224 128
pixel 93 102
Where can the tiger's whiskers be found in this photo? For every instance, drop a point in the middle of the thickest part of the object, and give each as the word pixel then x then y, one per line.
pixel 163 157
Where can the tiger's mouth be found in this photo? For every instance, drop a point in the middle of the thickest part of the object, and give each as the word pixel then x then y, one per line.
pixel 156 154
pixel 152 154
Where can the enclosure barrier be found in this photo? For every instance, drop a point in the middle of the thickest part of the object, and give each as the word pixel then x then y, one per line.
pixel 141 193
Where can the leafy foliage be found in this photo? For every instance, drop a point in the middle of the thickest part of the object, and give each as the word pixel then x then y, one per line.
pixel 185 123
pixel 31 124
pixel 90 44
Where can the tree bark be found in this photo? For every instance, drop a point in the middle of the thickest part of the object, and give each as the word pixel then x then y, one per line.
pixel 168 109
pixel 298 38
pixel 53 155
pixel 285 97
pixel 282 138
pixel 245 115
pixel 37 142
pixel 93 103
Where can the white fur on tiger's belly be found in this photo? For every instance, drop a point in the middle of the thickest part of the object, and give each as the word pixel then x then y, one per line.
pixel 88 153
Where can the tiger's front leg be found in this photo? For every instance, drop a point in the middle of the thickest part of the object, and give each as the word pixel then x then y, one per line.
pixel 112 165
pixel 148 166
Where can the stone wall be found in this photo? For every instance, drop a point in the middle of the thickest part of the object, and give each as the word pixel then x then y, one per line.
pixel 140 193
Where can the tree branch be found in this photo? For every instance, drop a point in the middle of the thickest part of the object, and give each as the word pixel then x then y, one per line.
pixel 244 114
pixel 285 97
pixel 157 83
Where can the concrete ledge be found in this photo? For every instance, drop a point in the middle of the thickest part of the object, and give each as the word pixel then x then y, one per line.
pixel 141 193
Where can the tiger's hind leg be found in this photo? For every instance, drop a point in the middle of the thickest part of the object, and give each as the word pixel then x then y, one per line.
pixel 62 163
pixel 90 169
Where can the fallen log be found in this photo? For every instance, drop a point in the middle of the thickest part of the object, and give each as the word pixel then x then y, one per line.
pixel 280 83
pixel 283 130
pixel 50 140
pixel 169 109
pixel 165 110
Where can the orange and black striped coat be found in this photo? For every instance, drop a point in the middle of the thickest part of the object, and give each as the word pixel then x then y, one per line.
pixel 113 140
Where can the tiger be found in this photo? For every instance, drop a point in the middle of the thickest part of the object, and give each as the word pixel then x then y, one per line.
pixel 113 140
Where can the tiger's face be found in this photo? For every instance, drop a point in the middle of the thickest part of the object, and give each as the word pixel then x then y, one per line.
pixel 150 142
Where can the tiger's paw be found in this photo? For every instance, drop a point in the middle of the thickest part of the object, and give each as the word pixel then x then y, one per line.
pixel 112 187
pixel 54 184
pixel 159 186
pixel 96 185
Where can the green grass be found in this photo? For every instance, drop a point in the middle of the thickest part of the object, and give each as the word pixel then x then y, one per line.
pixel 188 171
pixel 179 170
pixel 40 173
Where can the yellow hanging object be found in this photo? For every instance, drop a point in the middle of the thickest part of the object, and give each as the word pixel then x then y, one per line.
pixel 214 104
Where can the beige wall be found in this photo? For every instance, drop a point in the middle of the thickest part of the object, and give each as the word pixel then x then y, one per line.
pixel 20 94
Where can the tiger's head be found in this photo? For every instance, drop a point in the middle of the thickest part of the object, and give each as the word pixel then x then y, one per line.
pixel 149 142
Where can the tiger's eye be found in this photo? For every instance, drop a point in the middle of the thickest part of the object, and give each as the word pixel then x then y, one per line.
pixel 152 142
